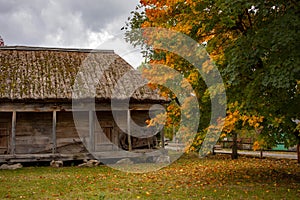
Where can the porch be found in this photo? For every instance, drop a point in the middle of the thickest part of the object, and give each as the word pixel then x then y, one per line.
pixel 45 132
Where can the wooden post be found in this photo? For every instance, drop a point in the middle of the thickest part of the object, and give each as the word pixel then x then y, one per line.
pixel 13 132
pixel 234 154
pixel 129 131
pixel 91 131
pixel 54 132
pixel 213 150
pixel 163 138
pixel 261 153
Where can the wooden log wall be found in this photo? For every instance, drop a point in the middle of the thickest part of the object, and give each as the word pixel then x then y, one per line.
pixel 106 132
pixel 140 117
pixel 67 137
pixel 33 132
pixel 55 132
pixel 5 132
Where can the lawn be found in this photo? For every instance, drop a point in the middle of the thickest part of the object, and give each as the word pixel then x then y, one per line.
pixel 215 177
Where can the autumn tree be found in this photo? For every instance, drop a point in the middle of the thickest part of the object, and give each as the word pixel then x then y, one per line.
pixel 255 46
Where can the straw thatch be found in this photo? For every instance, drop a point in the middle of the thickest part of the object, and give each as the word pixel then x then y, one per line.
pixel 37 73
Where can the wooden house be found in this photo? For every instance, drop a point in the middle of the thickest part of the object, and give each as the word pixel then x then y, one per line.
pixel 36 112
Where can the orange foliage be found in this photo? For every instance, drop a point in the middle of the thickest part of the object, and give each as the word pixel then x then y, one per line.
pixel 234 116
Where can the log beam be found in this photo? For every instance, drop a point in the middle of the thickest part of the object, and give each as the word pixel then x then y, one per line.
pixel 49 107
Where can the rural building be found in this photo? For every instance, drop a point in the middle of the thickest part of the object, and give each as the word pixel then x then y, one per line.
pixel 36 113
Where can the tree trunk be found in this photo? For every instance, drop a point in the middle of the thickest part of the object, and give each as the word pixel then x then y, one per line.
pixel 261 153
pixel 298 152
pixel 297 135
pixel 234 154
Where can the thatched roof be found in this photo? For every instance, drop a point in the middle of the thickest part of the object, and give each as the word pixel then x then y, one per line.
pixel 37 73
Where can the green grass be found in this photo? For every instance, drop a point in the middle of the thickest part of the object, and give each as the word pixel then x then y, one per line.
pixel 215 177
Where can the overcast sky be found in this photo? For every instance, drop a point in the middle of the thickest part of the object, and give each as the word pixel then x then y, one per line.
pixel 68 23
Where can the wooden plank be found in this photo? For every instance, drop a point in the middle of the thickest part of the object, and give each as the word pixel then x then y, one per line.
pixel 91 131
pixel 54 132
pixel 163 138
pixel 21 107
pixel 115 137
pixel 43 157
pixel 49 107
pixel 13 132
pixel 107 107
pixel 128 130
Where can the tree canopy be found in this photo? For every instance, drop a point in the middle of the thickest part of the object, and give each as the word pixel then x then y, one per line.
pixel 255 45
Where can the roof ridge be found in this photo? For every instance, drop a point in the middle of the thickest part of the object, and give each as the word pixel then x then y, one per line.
pixel 36 48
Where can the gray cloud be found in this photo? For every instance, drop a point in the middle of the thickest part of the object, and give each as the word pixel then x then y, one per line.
pixel 67 23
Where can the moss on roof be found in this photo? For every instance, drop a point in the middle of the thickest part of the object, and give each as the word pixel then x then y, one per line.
pixel 38 73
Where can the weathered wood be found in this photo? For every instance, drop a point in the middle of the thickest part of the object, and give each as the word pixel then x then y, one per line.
pixel 22 107
pixel 13 132
pixel 4 137
pixel 43 157
pixel 79 156
pixel 54 132
pixel 33 132
pixel 104 134
pixel 49 107
pixel 68 134
pixel 163 138
pixel 128 131
pixel 91 131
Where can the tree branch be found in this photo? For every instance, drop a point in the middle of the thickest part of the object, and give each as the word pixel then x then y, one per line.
pixel 249 18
